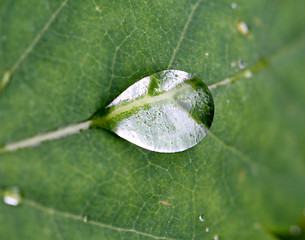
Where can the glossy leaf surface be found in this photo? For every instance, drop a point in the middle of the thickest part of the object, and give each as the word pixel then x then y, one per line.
pixel 245 178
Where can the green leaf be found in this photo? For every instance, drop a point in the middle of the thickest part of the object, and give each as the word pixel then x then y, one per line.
pixel 169 111
pixel 62 61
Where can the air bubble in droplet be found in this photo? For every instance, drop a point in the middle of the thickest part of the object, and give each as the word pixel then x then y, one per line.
pixel 215 237
pixel 201 218
pixel 86 219
pixel 12 196
pixel 207 229
pixel 241 64
pixel 295 230
pixel 243 28
pixel 234 5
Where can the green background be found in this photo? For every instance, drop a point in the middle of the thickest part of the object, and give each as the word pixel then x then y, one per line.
pixel 247 177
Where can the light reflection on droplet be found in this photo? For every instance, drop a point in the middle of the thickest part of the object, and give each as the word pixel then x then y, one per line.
pixel 207 54
pixel 234 5
pixel 248 74
pixel 207 229
pixel 216 237
pixel 201 218
pixel 243 28
pixel 12 196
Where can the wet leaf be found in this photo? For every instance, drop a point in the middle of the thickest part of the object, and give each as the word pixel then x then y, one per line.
pixel 62 61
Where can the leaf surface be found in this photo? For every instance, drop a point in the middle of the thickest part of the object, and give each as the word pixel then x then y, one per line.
pixel 67 59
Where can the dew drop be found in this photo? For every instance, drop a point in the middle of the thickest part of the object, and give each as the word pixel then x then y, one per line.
pixel 6 78
pixel 207 229
pixel 207 54
pixel 169 111
pixel 97 8
pixel 86 219
pixel 234 5
pixel 233 64
pixel 295 230
pixel 215 237
pixel 243 28
pixel 248 74
pixel 201 218
pixel 241 64
pixel 228 101
pixel 12 196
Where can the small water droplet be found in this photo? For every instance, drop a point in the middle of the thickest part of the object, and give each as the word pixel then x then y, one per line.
pixel 207 229
pixel 97 8
pixel 243 28
pixel 295 230
pixel 233 64
pixel 241 64
pixel 6 78
pixel 165 203
pixel 186 105
pixel 215 237
pixel 248 74
pixel 201 218
pixel 234 5
pixel 228 101
pixel 12 196
pixel 207 54
pixel 86 219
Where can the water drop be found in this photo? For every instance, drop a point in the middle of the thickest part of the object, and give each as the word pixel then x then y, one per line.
pixel 6 78
pixel 12 196
pixel 243 28
pixel 228 101
pixel 241 64
pixel 233 64
pixel 207 229
pixel 207 54
pixel 215 237
pixel 86 219
pixel 169 111
pixel 201 218
pixel 234 5
pixel 248 74
pixel 97 9
pixel 295 230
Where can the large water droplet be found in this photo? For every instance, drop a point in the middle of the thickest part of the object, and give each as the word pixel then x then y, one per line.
pixel 12 196
pixel 169 111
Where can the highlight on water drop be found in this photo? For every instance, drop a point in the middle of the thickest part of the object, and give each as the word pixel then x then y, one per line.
pixel 243 28
pixel 12 196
